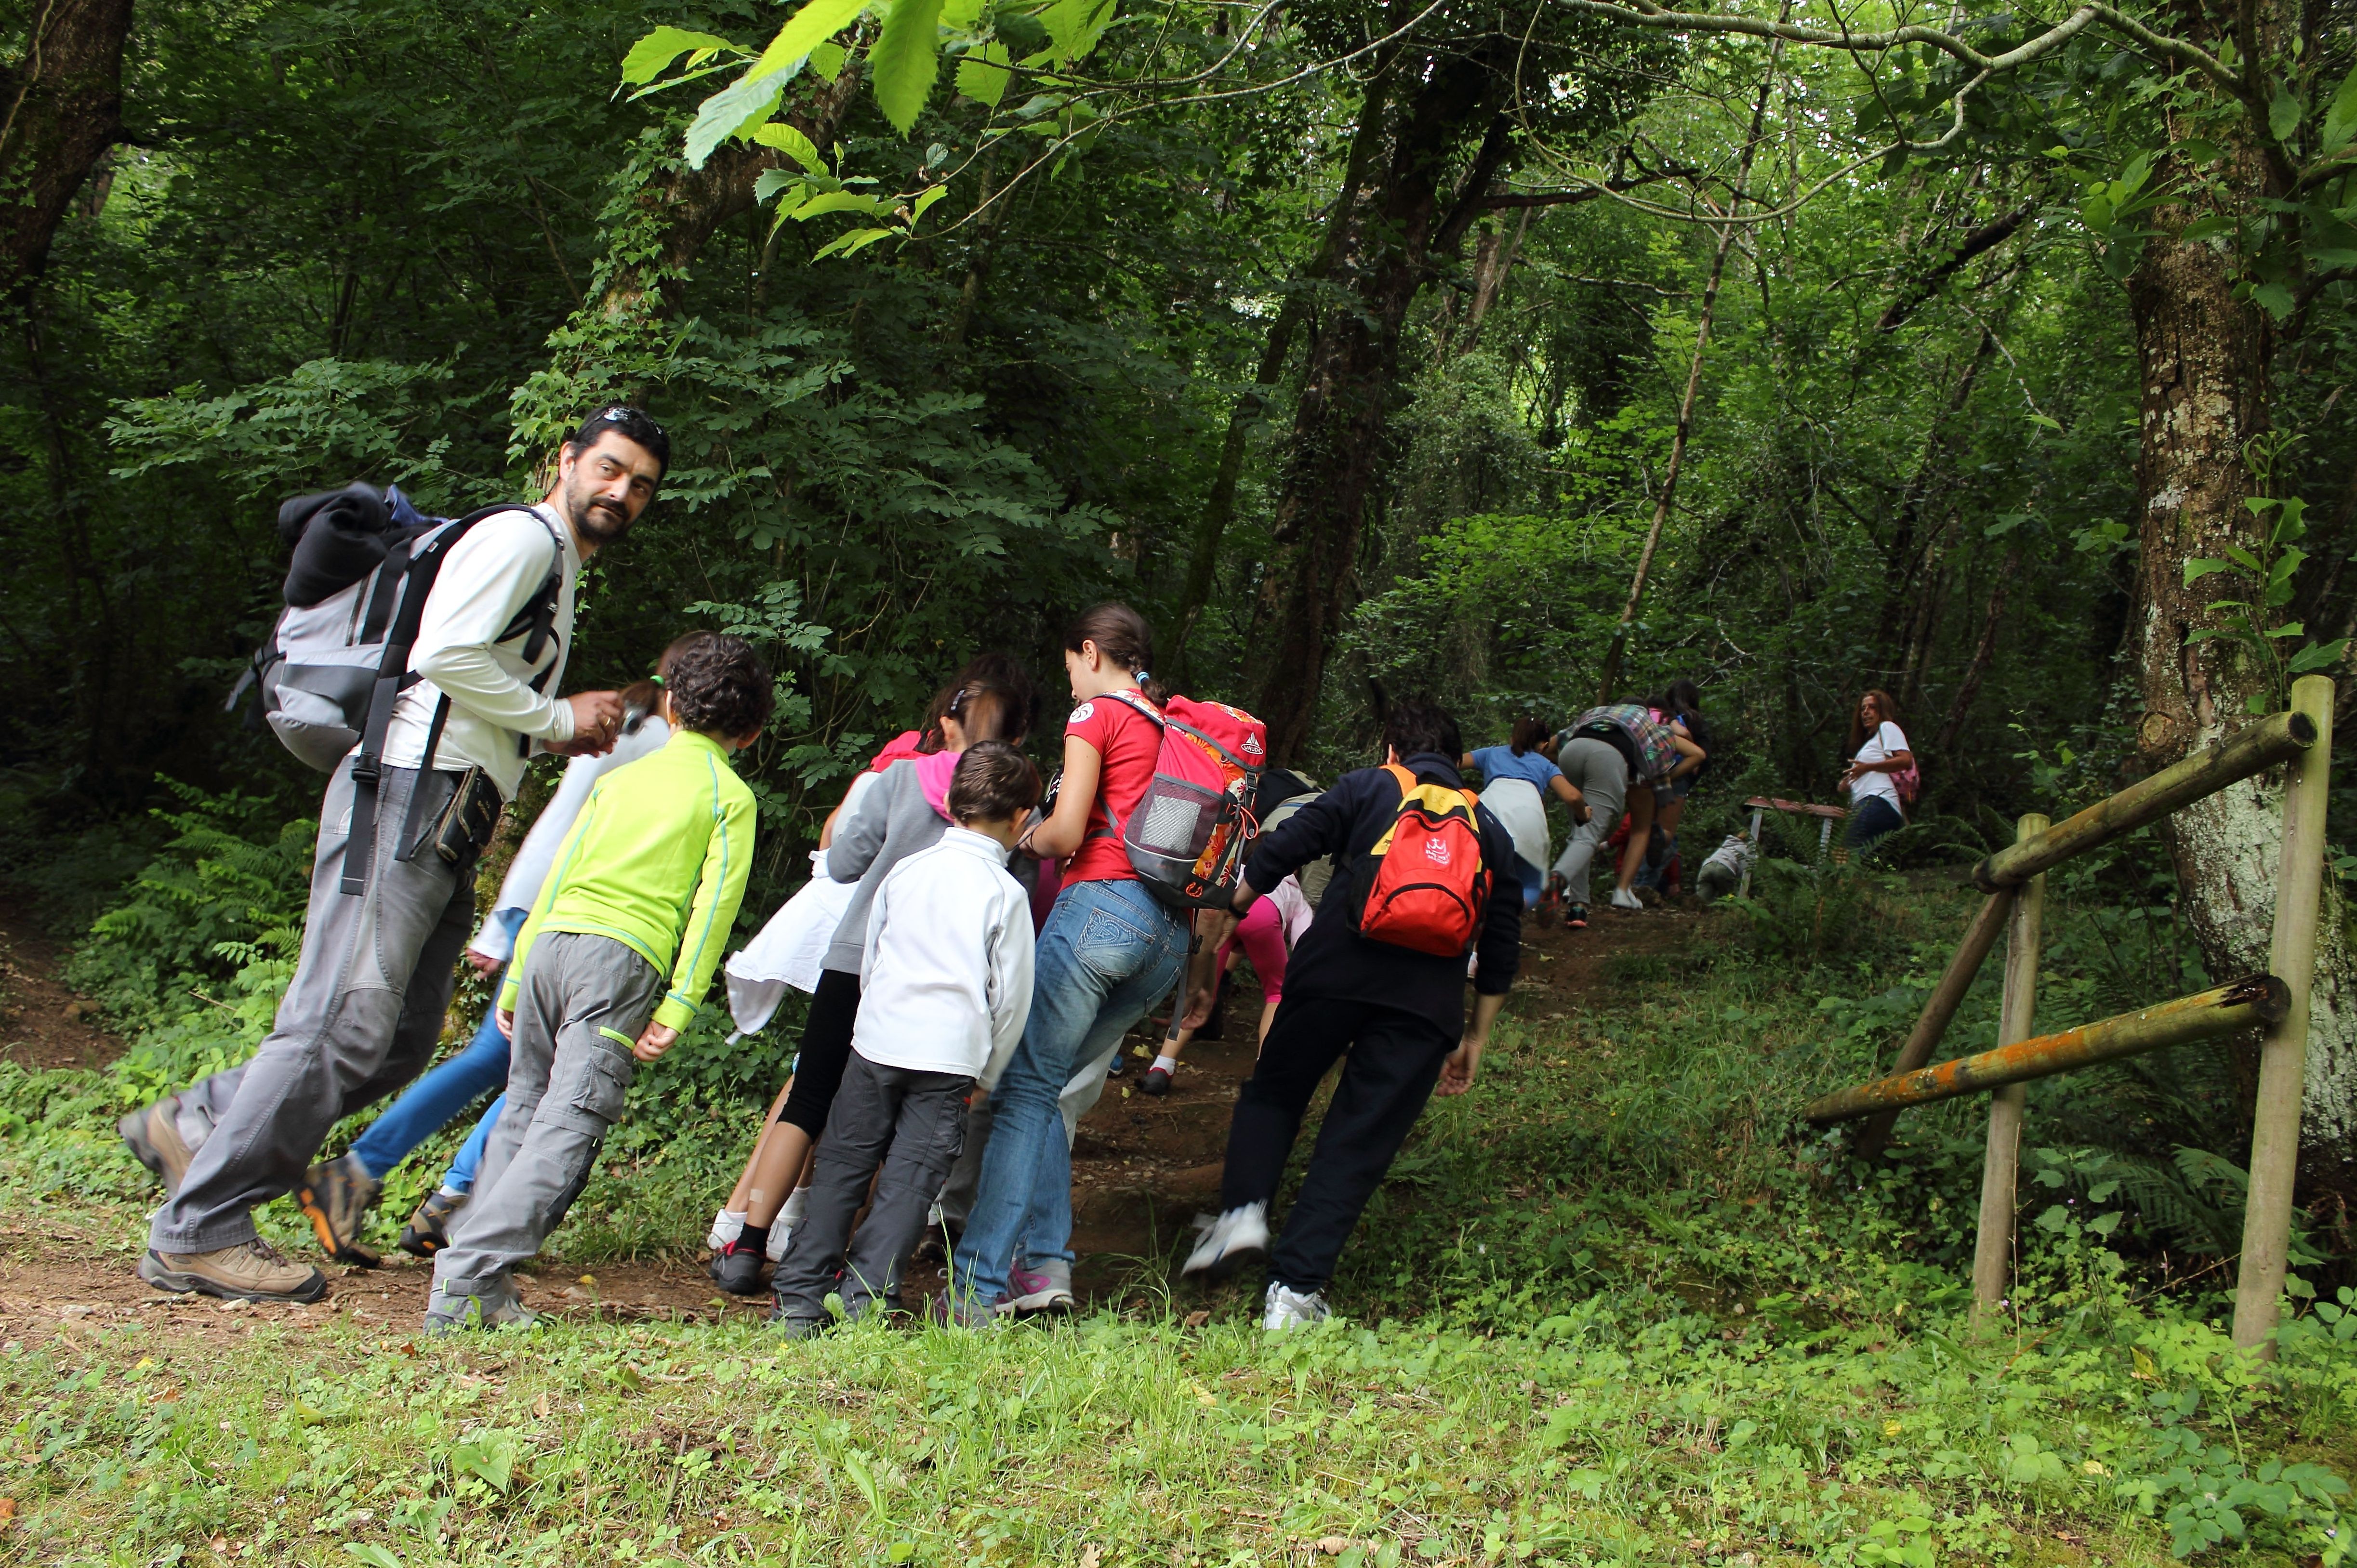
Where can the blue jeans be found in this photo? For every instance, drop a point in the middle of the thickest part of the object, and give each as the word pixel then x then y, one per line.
pixel 437 1098
pixel 1107 954
pixel 1871 821
pixel 460 1177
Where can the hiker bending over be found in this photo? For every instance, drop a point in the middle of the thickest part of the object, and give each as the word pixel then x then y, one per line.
pixel 609 969
pixel 1379 982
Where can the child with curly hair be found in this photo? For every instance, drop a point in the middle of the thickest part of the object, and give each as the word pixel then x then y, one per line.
pixel 645 890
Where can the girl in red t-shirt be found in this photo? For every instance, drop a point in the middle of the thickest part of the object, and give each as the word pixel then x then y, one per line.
pixel 1110 950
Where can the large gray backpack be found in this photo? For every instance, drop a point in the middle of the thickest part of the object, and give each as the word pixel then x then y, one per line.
pixel 364 560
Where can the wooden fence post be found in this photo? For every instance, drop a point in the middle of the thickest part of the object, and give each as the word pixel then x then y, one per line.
pixel 2283 1058
pixel 1753 858
pixel 1993 1252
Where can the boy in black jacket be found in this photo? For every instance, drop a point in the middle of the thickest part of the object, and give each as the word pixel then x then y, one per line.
pixel 1399 1013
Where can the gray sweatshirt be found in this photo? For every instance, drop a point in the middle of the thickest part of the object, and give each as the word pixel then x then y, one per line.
pixel 894 820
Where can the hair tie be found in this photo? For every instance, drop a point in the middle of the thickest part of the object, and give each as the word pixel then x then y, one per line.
pixel 657 680
pixel 1140 676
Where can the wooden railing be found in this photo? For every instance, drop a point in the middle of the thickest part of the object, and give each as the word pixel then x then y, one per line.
pixel 2014 878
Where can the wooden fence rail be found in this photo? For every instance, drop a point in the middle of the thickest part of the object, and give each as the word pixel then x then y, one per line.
pixel 2278 1001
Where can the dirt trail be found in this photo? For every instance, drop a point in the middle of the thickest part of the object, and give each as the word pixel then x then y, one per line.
pixel 1141 1167
pixel 42 1023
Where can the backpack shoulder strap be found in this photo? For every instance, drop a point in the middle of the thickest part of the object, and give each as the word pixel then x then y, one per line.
pixel 1130 697
pixel 393 677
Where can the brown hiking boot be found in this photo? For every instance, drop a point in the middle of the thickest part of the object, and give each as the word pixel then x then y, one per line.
pixel 251 1271
pixel 154 1136
pixel 336 1197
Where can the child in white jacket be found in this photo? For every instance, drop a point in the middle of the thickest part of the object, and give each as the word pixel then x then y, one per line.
pixel 945 988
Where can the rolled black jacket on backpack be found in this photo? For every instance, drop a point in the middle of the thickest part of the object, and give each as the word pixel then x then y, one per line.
pixel 1332 960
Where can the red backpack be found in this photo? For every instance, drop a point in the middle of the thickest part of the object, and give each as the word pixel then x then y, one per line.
pixel 1425 885
pixel 1192 828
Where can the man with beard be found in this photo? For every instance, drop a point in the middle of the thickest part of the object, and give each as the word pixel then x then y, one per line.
pixel 364 1011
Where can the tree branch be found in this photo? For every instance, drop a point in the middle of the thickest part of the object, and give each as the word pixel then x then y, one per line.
pixel 1985 238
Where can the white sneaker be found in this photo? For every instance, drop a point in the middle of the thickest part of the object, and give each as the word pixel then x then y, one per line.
pixel 1235 1239
pixel 726 1228
pixel 1289 1308
pixel 782 1236
pixel 1624 899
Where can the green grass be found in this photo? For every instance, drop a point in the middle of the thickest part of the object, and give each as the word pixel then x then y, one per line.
pixel 1616 1306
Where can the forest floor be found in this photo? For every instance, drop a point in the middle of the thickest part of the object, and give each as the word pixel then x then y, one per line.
pixel 1618 1306
pixel 1142 1168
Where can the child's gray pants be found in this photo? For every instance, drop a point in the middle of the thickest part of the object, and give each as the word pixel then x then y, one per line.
pixel 1601 774
pixel 582 1003
pixel 360 1018
pixel 919 1117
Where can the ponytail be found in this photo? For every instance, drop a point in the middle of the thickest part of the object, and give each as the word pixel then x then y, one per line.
pixel 1121 635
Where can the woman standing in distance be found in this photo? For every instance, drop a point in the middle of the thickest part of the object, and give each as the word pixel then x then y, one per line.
pixel 1878 749
pixel 1108 951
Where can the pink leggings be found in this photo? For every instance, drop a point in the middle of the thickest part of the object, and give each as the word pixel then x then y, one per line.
pixel 1262 932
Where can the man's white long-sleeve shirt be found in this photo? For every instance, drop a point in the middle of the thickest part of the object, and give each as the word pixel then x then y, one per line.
pixel 945 976
pixel 489 579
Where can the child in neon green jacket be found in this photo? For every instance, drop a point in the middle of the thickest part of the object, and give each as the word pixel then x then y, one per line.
pixel 611 964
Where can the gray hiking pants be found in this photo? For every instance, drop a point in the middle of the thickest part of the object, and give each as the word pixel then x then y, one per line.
pixel 581 1004
pixel 911 1124
pixel 1601 774
pixel 360 1019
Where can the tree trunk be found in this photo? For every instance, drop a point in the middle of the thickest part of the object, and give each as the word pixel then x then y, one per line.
pixel 1220 505
pixel 1339 446
pixel 63 108
pixel 1661 503
pixel 2204 358
pixel 614 341
pixel 1952 727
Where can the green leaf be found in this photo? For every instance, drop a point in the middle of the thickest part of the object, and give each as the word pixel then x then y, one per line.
pixel 853 243
pixel 2245 559
pixel 838 201
pixel 1021 31
pixel 774 181
pixel 2285 112
pixel 983 75
pixel 370 1552
pixel 2209 227
pixel 2319 655
pixel 2048 421
pixel 652 55
pixel 803 32
pixel 926 200
pixel 732 112
pixel 2291 628
pixel 2274 299
pixel 962 15
pixel 826 59
pixel 793 143
pixel 906 60
pixel 1076 25
pixel 2292 524
pixel 2198 150
pixel 2197 568
pixel 2341 119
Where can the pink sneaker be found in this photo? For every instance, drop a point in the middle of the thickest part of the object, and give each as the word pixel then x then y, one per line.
pixel 1031 1291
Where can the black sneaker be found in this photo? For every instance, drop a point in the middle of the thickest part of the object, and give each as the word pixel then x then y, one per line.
pixel 1574 917
pixel 1156 1082
pixel 737 1270
pixel 428 1230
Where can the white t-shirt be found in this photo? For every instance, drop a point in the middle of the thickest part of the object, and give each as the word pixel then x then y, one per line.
pixel 1886 740
pixel 488 579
